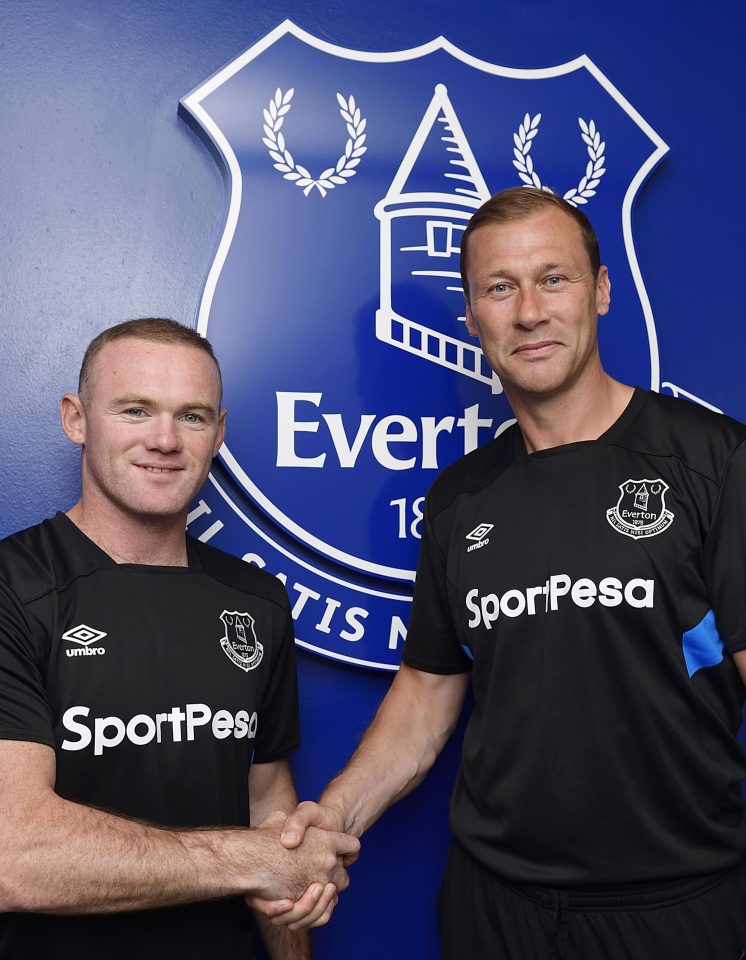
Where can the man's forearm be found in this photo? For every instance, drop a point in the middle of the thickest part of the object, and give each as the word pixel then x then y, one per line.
pixel 410 729
pixel 414 721
pixel 282 943
pixel 68 858
pixel 271 788
pixel 379 773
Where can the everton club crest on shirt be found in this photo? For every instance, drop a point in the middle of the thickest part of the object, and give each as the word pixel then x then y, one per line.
pixel 335 302
pixel 240 643
pixel 641 509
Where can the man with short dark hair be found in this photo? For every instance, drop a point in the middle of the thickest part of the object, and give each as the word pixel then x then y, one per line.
pixel 587 569
pixel 148 697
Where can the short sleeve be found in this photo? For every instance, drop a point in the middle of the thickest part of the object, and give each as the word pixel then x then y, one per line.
pixel 25 713
pixel 725 555
pixel 432 642
pixel 278 733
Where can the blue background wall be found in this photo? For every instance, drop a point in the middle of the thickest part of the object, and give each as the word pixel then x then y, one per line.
pixel 111 207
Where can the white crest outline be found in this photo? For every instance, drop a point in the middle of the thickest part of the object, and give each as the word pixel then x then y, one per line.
pixel 325 575
pixel 193 104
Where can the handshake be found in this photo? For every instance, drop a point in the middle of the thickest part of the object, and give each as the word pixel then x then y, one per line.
pixel 305 876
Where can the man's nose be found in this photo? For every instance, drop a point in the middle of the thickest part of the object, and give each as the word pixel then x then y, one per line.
pixel 164 435
pixel 529 310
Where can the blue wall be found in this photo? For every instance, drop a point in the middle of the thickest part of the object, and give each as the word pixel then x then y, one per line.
pixel 112 207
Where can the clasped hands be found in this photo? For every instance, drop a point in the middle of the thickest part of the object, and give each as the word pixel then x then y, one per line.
pixel 303 832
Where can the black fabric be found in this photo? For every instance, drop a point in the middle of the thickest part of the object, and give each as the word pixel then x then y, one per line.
pixel 596 591
pixel 157 718
pixel 482 917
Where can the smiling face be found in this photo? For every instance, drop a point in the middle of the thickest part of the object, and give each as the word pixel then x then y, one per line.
pixel 534 303
pixel 149 423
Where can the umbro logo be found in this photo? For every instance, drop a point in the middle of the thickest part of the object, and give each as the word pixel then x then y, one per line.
pixel 85 636
pixel 479 536
pixel 480 532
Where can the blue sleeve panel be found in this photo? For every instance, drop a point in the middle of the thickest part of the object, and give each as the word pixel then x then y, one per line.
pixel 702 645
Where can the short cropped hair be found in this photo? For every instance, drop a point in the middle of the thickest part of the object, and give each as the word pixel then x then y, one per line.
pixel 152 329
pixel 517 203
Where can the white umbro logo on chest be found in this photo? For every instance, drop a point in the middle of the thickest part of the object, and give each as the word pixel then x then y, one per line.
pixel 479 536
pixel 85 636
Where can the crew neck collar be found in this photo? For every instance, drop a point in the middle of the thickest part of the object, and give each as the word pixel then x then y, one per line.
pixel 630 411
pixel 103 560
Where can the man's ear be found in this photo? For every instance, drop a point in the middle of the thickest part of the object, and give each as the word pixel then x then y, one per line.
pixel 603 291
pixel 72 415
pixel 221 432
pixel 470 324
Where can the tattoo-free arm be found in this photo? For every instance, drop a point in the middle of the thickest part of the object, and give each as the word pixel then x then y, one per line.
pixel 410 729
pixel 271 788
pixel 57 856
pixel 740 661
pixel 415 719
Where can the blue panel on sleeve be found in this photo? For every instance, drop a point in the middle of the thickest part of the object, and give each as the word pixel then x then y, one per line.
pixel 702 645
pixel 467 651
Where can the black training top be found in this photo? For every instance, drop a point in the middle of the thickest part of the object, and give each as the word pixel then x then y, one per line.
pixel 155 686
pixel 598 589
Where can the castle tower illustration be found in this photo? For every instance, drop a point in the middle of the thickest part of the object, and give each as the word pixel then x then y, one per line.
pixel 437 188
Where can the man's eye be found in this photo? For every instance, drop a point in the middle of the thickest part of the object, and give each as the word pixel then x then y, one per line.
pixel 554 281
pixel 192 418
pixel 135 412
pixel 500 288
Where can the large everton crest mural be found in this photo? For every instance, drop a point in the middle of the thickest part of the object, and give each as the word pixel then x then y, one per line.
pixel 335 302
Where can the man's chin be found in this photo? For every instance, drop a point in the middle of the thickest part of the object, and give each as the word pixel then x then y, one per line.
pixel 539 385
pixel 541 381
pixel 158 509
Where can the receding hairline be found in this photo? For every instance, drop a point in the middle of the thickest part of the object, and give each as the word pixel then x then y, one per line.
pixel 158 330
pixel 521 203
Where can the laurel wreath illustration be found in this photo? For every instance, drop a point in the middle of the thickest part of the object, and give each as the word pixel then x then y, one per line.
pixel 274 117
pixel 594 170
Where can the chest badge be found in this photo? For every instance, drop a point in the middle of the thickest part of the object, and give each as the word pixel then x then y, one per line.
pixel 240 644
pixel 641 509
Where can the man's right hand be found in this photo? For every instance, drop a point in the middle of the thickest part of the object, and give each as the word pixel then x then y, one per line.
pixel 315 907
pixel 318 855
pixel 309 814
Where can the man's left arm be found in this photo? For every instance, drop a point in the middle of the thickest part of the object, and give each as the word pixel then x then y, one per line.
pixel 739 659
pixel 271 789
pixel 724 558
